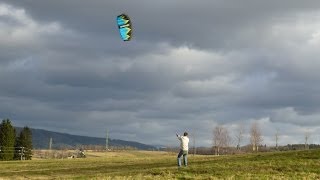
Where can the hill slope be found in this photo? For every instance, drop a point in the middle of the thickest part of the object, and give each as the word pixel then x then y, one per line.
pixel 40 140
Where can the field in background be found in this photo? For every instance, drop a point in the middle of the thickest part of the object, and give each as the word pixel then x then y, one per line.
pixel 162 165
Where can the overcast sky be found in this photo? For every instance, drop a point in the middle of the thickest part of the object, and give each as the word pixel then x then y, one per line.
pixel 191 65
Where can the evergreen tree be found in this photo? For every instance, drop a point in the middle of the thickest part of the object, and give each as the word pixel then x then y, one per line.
pixel 24 144
pixel 17 155
pixel 7 140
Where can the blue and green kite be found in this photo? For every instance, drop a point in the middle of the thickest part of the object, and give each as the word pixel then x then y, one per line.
pixel 125 28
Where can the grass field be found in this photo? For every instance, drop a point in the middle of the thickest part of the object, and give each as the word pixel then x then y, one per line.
pixel 162 165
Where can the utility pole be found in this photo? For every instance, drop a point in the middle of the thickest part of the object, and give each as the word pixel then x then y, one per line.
pixel 194 144
pixel 107 140
pixel 50 143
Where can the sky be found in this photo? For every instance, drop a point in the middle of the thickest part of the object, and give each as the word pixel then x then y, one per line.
pixel 190 66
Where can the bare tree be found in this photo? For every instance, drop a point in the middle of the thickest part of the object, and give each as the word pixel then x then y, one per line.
pixel 256 137
pixel 277 138
pixel 194 144
pixel 217 133
pixel 239 136
pixel 221 138
pixel 306 139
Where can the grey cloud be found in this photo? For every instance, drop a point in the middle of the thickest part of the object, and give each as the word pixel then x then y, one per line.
pixel 175 22
pixel 190 66
pixel 290 115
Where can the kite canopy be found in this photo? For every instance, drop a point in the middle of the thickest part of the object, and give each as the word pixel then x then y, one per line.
pixel 124 25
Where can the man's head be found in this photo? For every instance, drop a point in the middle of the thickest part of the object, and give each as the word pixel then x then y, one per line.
pixel 185 134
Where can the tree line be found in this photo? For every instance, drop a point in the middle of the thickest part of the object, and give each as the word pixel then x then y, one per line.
pixel 15 146
pixel 222 140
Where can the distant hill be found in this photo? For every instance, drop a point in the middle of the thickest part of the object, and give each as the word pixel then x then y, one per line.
pixel 40 140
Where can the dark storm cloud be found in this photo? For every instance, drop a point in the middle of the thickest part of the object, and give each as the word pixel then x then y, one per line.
pixel 191 65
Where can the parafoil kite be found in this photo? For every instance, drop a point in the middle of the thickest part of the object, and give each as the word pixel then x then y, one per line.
pixel 124 25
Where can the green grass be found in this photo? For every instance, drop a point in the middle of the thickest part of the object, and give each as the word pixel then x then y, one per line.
pixel 160 165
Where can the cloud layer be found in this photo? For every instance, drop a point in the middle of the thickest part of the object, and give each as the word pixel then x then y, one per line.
pixel 190 66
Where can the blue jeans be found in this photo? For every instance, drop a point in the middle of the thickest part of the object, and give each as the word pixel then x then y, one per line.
pixel 185 158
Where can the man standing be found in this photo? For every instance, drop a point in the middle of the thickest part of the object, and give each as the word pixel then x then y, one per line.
pixel 184 141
